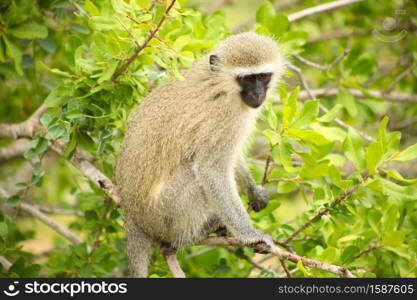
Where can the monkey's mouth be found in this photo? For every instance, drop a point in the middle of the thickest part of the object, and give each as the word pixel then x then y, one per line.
pixel 253 99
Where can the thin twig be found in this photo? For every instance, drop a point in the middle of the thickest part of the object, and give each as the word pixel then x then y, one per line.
pixel 323 108
pixel 285 268
pixel 321 67
pixel 319 9
pixel 58 210
pixel 96 241
pixel 331 92
pixel 34 211
pixel 321 213
pixel 228 241
pixel 367 251
pixel 144 45
pixel 128 31
pixel 400 76
pixel 243 256
pixel 304 13
pixel 266 171
pixel 199 252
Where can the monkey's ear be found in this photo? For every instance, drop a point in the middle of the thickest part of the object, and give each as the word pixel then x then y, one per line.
pixel 214 62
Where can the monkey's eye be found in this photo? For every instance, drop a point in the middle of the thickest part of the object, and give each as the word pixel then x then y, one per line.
pixel 247 79
pixel 264 76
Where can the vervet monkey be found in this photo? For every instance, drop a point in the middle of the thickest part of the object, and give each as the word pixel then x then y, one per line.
pixel 181 159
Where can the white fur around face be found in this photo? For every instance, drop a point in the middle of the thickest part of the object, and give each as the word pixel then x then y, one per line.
pixel 268 68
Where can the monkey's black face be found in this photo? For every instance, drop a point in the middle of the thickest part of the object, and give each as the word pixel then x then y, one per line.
pixel 254 88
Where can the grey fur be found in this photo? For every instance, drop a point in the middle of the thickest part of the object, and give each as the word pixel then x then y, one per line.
pixel 182 155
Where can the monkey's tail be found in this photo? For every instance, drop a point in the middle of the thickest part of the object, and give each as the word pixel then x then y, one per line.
pixel 139 249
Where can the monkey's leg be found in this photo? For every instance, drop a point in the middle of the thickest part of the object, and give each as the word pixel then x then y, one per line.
pixel 172 261
pixel 139 247
pixel 258 196
pixel 220 187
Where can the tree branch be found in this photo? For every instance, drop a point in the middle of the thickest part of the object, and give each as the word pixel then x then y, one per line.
pixel 6 264
pixel 303 13
pixel 138 50
pixel 34 211
pixel 59 211
pixel 89 170
pixel 321 67
pixel 79 159
pixel 23 129
pixel 331 92
pixel 228 241
pixel 216 5
pixel 13 151
pixel 319 8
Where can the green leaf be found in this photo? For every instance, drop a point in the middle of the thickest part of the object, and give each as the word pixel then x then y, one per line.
pixel 407 154
pixel 315 171
pixel 302 269
pixel 382 134
pixel 13 200
pixel 331 115
pixel 279 25
pixel 271 116
pixel 329 255
pixel 397 176
pixel 15 53
pixel 374 153
pixel 30 31
pixel 282 154
pixel 272 136
pixel 107 74
pixel 308 135
pixel 390 218
pixel 3 229
pixel 337 179
pixel 346 99
pixel 349 254
pixel 307 115
pixel 393 238
pixel 53 99
pixel 332 133
pixel 265 13
pixel 59 72
pixel 71 146
pixel 91 8
pixel 353 148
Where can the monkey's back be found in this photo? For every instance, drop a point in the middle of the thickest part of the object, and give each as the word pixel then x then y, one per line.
pixel 175 128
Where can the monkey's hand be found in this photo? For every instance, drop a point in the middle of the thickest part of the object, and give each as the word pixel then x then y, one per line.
pixel 265 244
pixel 258 240
pixel 258 197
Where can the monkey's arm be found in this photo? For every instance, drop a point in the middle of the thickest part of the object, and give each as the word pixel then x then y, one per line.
pixel 221 190
pixel 258 196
